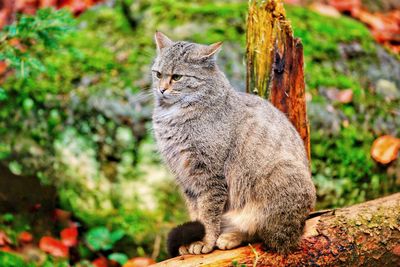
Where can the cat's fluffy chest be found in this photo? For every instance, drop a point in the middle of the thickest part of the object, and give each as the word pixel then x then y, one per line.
pixel 174 139
pixel 188 143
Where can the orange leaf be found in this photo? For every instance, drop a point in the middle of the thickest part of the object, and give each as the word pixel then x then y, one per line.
pixel 100 262
pixel 139 262
pixel 53 246
pixel 3 66
pixel 69 236
pixel 47 3
pixel 293 2
pixel 385 149
pixel 25 237
pixel 6 249
pixel 345 5
pixel 325 10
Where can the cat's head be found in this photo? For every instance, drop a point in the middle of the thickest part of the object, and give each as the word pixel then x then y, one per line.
pixel 182 71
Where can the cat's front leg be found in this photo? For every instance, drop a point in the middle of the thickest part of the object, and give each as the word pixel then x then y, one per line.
pixel 191 204
pixel 210 205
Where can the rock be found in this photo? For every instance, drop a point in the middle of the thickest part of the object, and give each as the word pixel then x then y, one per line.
pixel 386 67
pixel 387 89
pixel 351 50
pixel 324 117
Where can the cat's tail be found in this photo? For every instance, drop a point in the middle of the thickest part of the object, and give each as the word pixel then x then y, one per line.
pixel 184 234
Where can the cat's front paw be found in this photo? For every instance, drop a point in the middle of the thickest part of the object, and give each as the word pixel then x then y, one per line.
pixel 229 240
pixel 200 247
pixel 183 250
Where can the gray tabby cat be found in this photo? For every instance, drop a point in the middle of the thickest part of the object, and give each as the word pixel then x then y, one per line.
pixel 240 163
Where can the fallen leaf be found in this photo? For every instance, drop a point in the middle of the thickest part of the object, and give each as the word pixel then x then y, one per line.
pixel 293 2
pixel 27 7
pixel 325 10
pixel 342 96
pixel 47 3
pixel 345 5
pixel 25 237
pixel 3 67
pixel 100 262
pixel 139 262
pixel 53 246
pixel 385 149
pixel 69 236
pixel 6 249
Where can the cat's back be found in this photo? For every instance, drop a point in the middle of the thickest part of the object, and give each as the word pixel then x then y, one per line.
pixel 263 112
pixel 269 125
pixel 258 106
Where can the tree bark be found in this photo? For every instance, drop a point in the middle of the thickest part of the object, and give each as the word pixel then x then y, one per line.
pixel 275 63
pixel 366 234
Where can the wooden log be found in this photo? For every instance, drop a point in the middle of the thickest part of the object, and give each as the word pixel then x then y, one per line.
pixel 275 63
pixel 366 234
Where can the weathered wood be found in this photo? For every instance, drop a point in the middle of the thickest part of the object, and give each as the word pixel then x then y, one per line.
pixel 366 234
pixel 275 63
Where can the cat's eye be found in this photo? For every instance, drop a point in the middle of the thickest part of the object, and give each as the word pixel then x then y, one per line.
pixel 158 75
pixel 176 77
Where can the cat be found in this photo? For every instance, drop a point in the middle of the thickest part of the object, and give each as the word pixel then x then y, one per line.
pixel 240 163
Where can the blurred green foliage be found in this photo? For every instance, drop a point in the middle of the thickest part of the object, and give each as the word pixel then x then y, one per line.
pixel 13 260
pixel 47 28
pixel 100 238
pixel 71 112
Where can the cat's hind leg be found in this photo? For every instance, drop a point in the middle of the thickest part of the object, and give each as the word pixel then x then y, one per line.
pixel 291 196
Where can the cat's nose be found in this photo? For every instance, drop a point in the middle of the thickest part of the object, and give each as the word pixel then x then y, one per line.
pixel 162 90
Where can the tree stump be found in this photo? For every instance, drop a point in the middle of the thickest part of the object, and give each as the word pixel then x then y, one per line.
pixel 275 63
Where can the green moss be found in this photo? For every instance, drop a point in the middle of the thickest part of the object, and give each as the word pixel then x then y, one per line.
pixel 321 37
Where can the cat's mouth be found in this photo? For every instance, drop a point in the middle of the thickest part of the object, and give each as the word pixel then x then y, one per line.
pixel 166 98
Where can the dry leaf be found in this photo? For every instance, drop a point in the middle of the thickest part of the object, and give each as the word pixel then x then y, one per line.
pixel 325 10
pixel 25 237
pixel 345 5
pixel 69 236
pixel 100 262
pixel 342 96
pixel 53 246
pixel 385 149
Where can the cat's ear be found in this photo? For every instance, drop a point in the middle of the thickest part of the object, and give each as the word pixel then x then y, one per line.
pixel 162 41
pixel 210 50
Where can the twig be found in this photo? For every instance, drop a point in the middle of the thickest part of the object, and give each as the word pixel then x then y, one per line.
pixel 156 247
pixel 256 254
